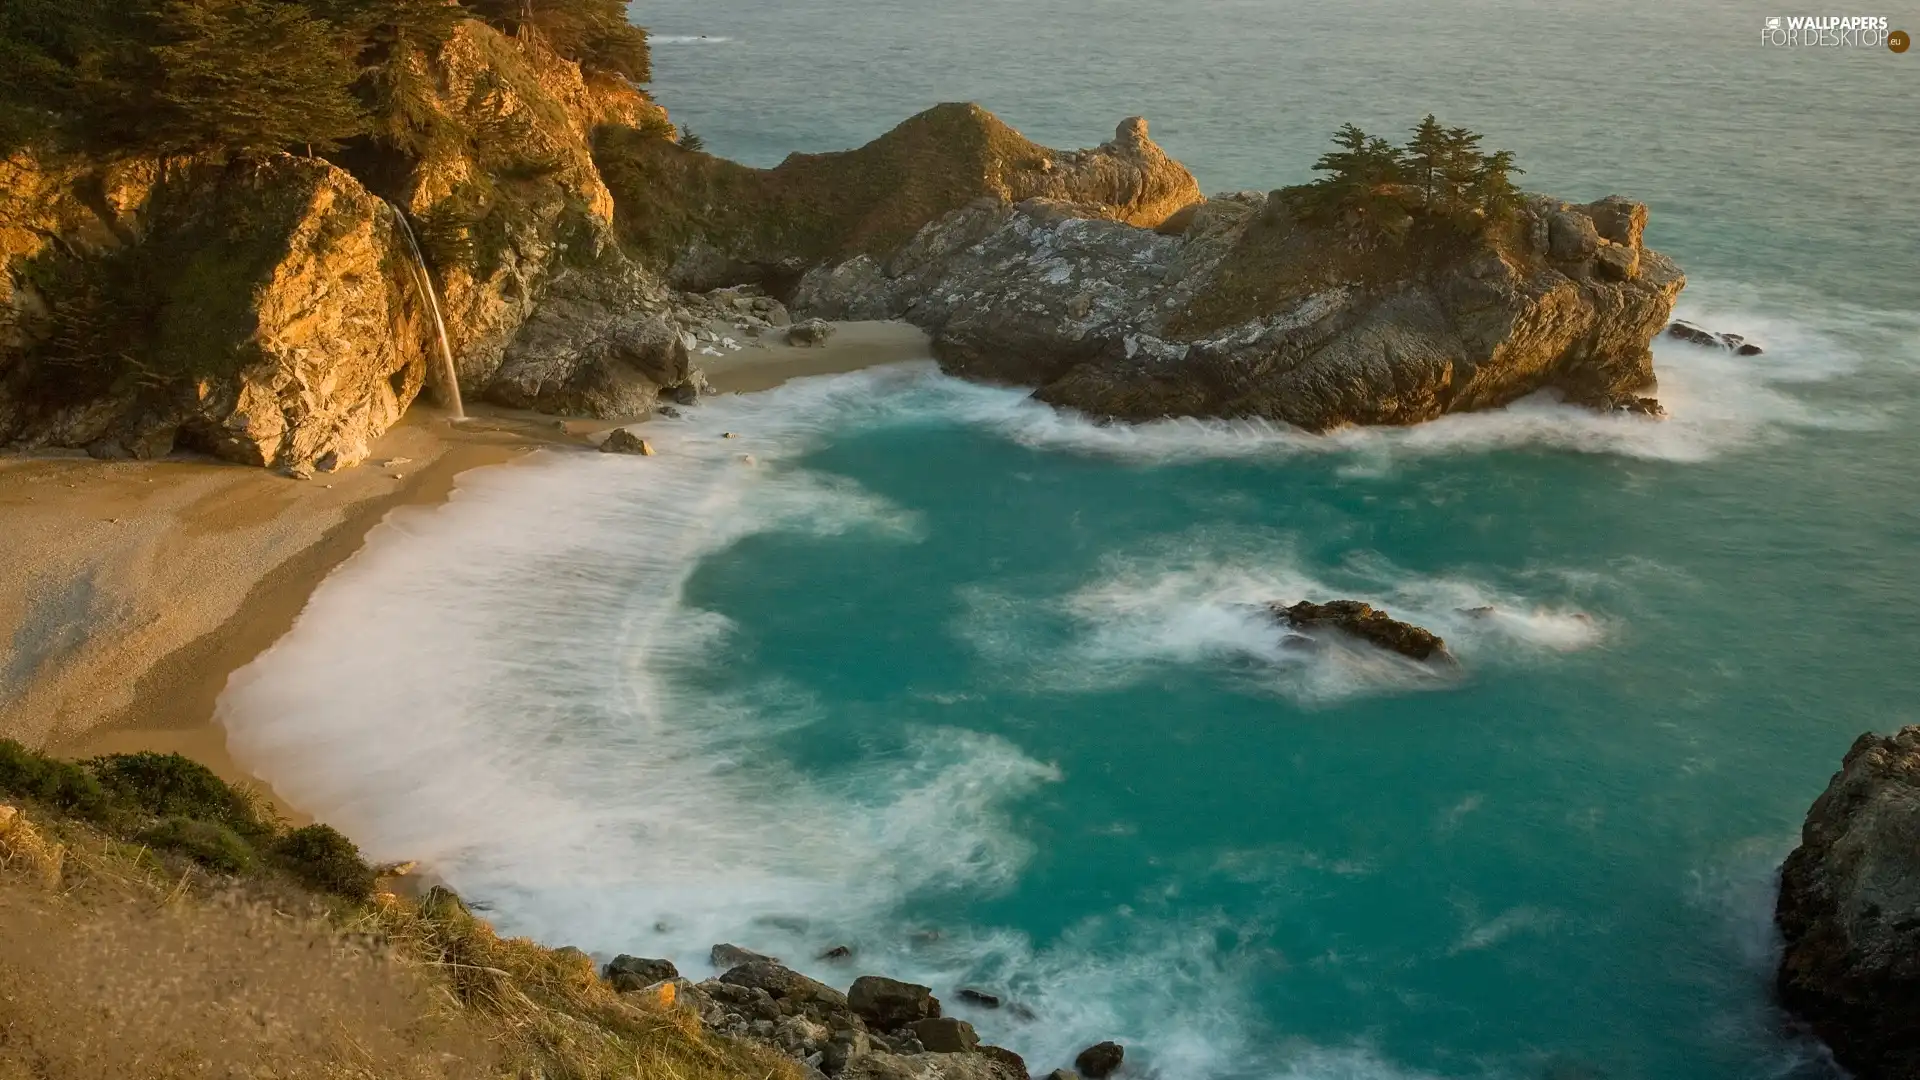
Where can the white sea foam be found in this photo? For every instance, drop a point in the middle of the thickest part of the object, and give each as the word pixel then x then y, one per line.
pixel 503 687
pixel 1199 599
pixel 689 39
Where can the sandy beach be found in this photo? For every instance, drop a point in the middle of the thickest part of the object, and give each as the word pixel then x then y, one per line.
pixel 132 590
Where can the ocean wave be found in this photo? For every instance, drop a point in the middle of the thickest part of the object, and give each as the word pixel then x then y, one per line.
pixel 1199 599
pixel 689 39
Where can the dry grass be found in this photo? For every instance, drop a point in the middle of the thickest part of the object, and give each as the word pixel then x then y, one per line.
pixel 317 987
pixel 548 1010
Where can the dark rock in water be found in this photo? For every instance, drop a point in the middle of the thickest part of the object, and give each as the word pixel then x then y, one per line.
pixel 726 957
pixel 668 411
pixel 980 998
pixel 886 1004
pixel 1849 911
pixel 784 984
pixel 1366 623
pixel 1700 335
pixel 1022 1013
pixel 1481 612
pixel 836 954
pixel 630 973
pixel 1686 331
pixel 622 441
pixel 1099 1061
pixel 945 1035
pixel 1063 1074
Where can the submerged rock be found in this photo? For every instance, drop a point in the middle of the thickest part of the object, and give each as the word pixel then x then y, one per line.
pixel 1849 911
pixel 1367 623
pixel 980 998
pixel 1100 1060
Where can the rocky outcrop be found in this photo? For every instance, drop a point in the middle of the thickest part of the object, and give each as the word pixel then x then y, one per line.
pixel 880 1029
pixel 715 223
pixel 1367 623
pixel 1097 1062
pixel 257 311
pixel 1244 309
pixel 1849 911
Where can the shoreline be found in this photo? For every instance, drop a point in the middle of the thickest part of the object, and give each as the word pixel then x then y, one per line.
pixel 137 588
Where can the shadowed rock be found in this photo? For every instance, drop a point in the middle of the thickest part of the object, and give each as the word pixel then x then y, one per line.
pixel 1100 1060
pixel 887 1004
pixel 631 973
pixel 1367 623
pixel 1849 911
pixel 1682 330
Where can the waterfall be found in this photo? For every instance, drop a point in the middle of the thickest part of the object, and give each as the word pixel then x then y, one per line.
pixel 449 378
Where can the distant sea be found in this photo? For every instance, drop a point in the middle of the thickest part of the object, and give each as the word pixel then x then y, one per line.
pixel 967 685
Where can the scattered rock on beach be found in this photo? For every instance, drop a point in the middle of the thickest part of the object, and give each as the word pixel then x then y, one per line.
pixel 1367 623
pixel 810 333
pixel 622 441
pixel 1099 1061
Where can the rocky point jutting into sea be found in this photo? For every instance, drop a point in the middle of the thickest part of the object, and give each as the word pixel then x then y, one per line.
pixel 261 309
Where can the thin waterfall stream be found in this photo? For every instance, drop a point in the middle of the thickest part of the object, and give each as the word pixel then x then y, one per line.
pixel 449 378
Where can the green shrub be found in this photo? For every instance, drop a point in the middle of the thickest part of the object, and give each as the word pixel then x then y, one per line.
pixel 60 784
pixel 208 843
pixel 320 857
pixel 169 785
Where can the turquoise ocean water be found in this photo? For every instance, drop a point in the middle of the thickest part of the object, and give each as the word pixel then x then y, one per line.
pixel 968 685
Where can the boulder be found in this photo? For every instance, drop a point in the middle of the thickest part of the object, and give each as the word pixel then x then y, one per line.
pixel 809 333
pixel 1100 1060
pixel 1367 623
pixel 632 973
pixel 945 1035
pixel 784 984
pixel 1849 911
pixel 979 997
pixel 1619 219
pixel 725 957
pixel 590 349
pixel 622 441
pixel 1255 310
pixel 887 1004
pixel 1014 1063
pixel 1063 1074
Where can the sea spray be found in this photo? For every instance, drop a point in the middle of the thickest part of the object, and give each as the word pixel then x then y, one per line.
pixel 423 280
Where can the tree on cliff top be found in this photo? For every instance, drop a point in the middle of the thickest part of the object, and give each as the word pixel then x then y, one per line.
pixel 1439 177
pixel 595 33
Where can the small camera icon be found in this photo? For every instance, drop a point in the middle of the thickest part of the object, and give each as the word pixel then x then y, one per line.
pixel 1773 22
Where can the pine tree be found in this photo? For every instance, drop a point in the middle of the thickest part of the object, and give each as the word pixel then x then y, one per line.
pixel 594 32
pixel 251 76
pixel 1492 188
pixel 1426 157
pixel 1459 164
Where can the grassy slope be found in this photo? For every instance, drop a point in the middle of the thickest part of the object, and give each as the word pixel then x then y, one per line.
pixel 143 897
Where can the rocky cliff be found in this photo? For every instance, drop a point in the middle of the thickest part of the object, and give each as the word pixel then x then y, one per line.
pixel 1849 911
pixel 714 223
pixel 255 311
pixel 1243 308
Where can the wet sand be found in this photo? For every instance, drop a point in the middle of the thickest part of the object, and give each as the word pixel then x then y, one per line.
pixel 130 591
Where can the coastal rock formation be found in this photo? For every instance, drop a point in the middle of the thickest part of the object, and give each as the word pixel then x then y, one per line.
pixel 1097 1062
pixel 1367 623
pixel 257 311
pixel 1245 309
pixel 1849 911
pixel 716 223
